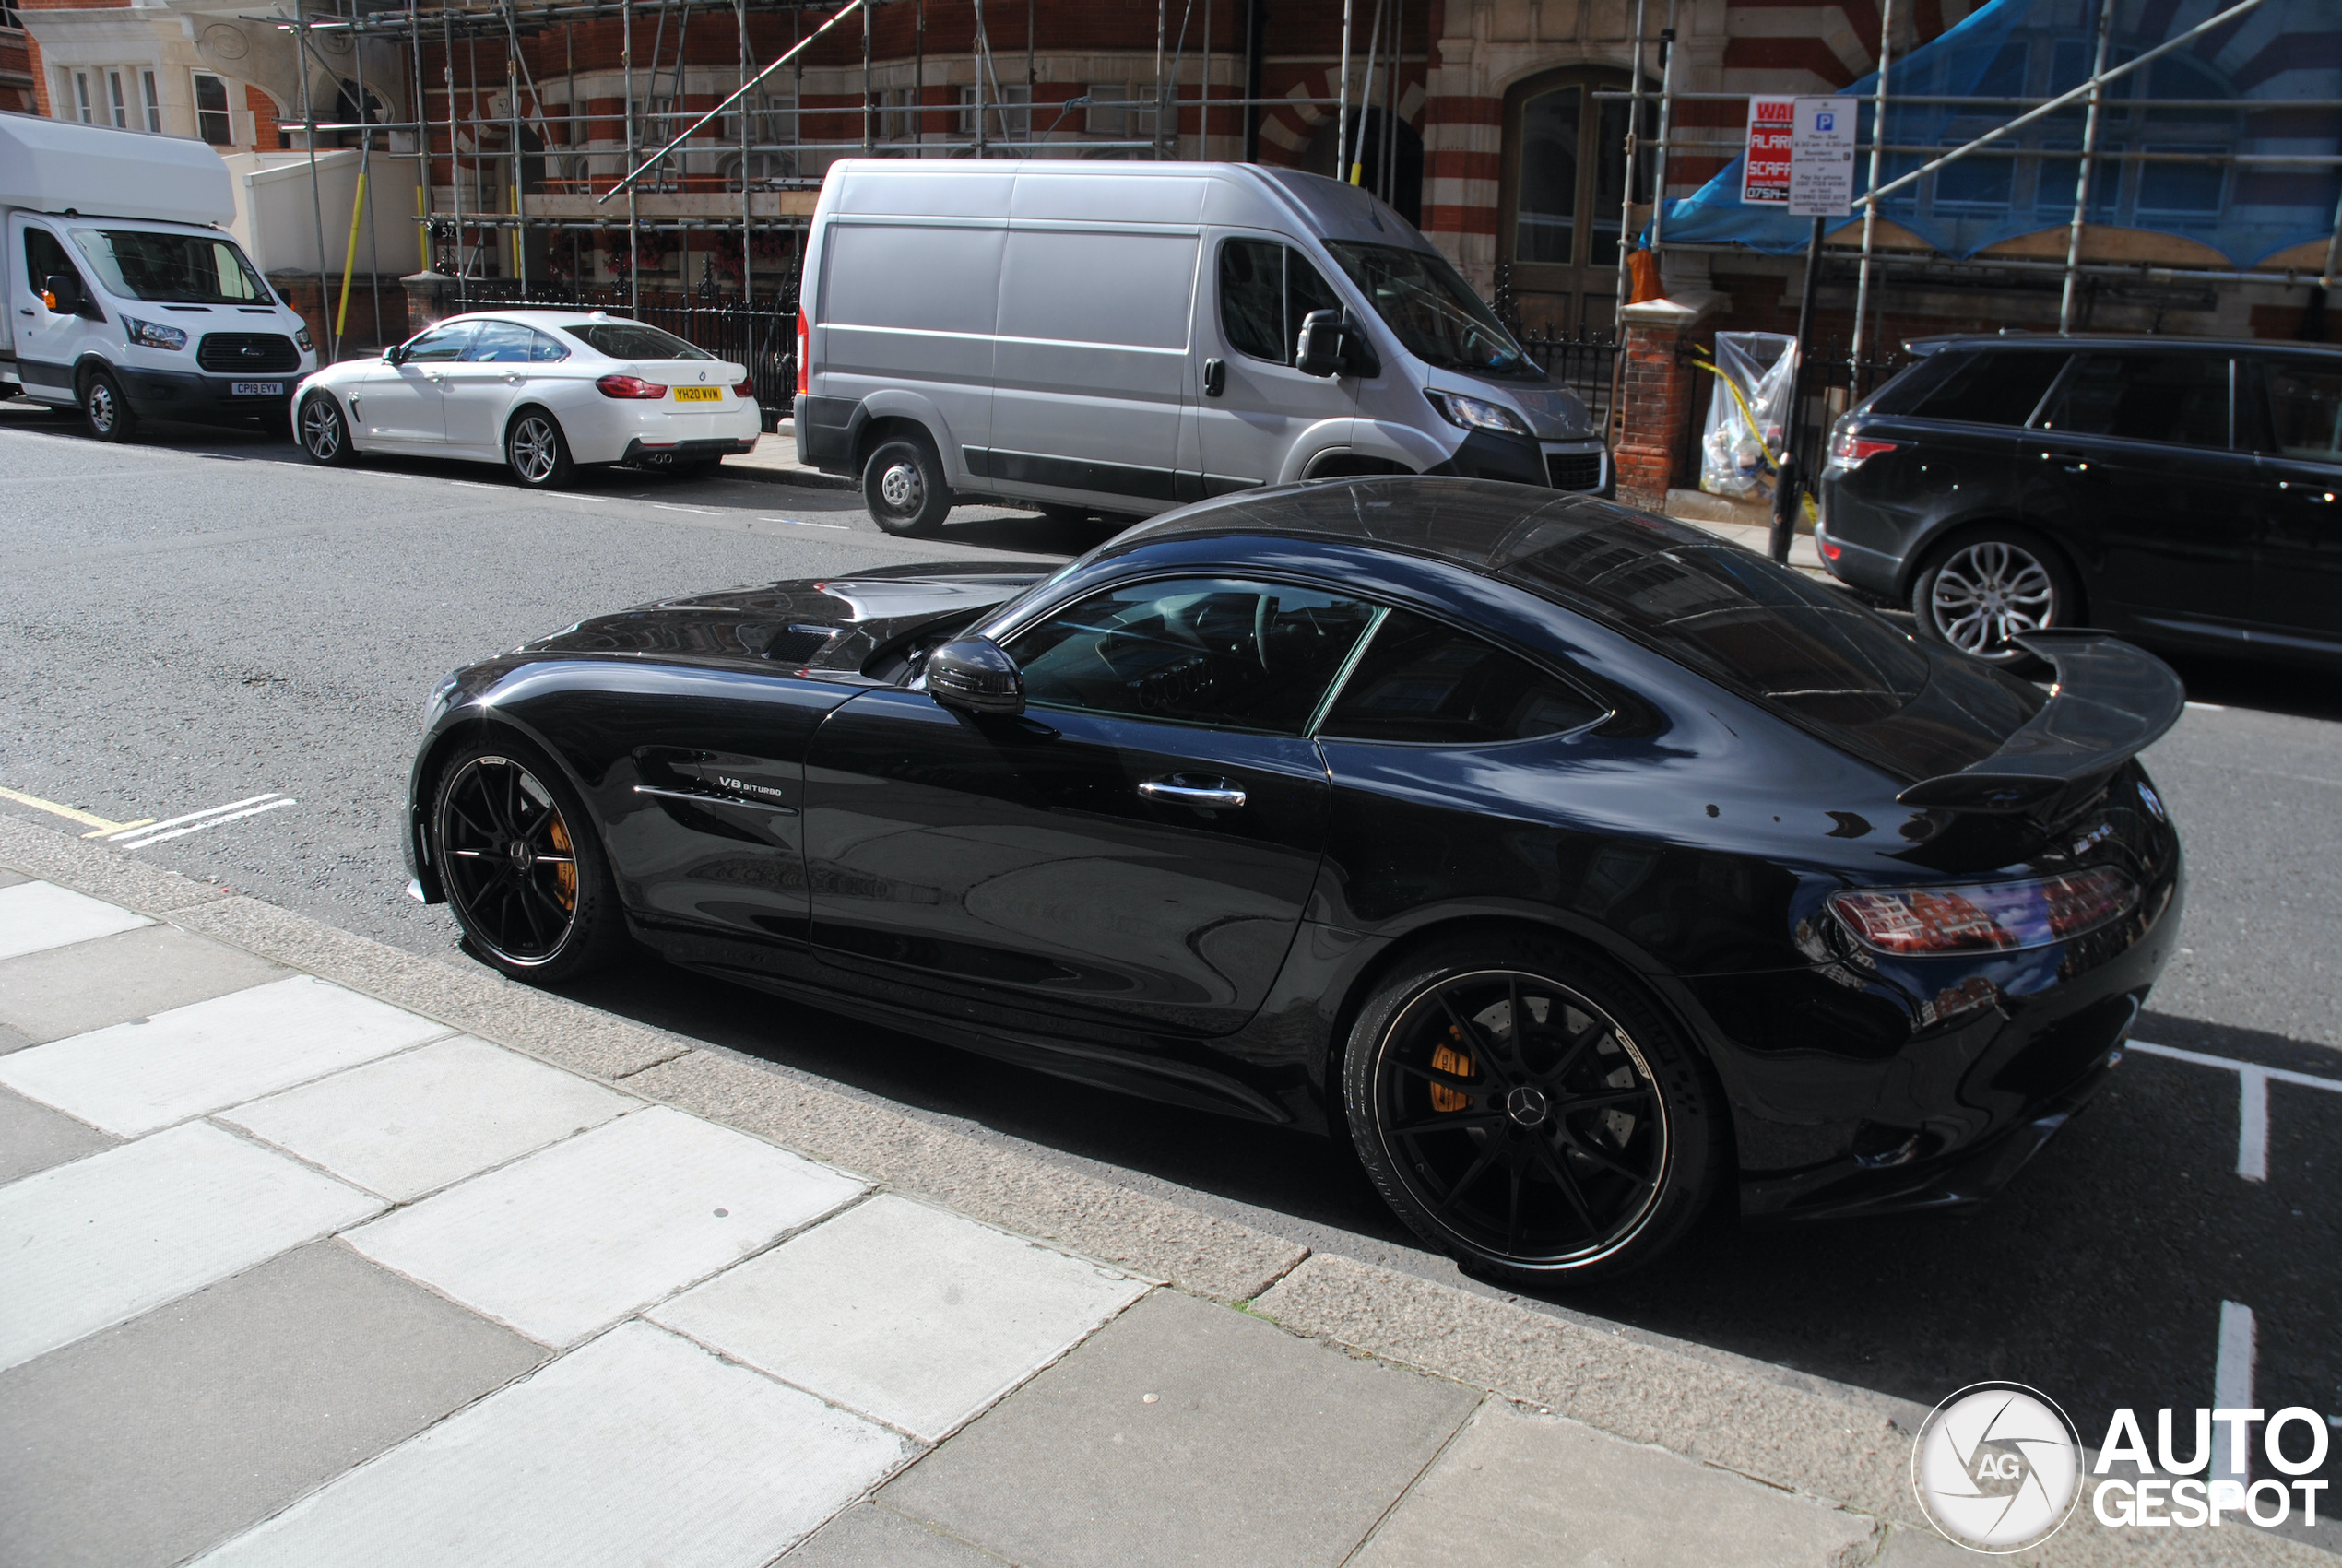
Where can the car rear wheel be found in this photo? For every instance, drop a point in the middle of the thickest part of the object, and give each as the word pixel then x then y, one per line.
pixel 903 487
pixel 521 865
pixel 1982 590
pixel 325 434
pixel 537 451
pixel 1527 1110
pixel 106 410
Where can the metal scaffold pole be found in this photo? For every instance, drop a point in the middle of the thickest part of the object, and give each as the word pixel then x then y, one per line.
pixel 316 200
pixel 1626 199
pixel 1666 130
pixel 1341 114
pixel 634 217
pixel 2082 175
pixel 1870 208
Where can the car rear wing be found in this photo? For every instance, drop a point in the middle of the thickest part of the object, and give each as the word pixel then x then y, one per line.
pixel 2111 702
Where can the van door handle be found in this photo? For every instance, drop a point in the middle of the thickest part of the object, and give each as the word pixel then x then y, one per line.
pixel 1193 789
pixel 1216 377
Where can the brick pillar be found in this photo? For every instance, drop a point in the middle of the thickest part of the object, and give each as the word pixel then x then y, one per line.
pixel 429 298
pixel 1657 386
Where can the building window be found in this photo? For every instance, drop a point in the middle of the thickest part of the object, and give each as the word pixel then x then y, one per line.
pixel 153 101
pixel 1121 111
pixel 1563 187
pixel 81 96
pixel 119 104
pixel 1007 112
pixel 211 110
pixel 9 15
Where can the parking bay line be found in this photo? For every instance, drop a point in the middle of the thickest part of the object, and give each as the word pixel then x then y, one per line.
pixel 2253 1100
pixel 197 821
pixel 800 523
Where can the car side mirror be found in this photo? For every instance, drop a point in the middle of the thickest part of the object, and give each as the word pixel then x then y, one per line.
pixel 975 676
pixel 1318 350
pixel 61 291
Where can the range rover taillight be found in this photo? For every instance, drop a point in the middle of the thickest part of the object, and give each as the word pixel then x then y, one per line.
pixel 1851 449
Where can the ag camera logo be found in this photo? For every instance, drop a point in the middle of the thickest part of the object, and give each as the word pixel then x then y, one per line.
pixel 1997 1468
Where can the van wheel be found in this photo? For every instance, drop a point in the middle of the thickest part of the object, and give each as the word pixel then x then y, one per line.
pixel 1981 589
pixel 107 411
pixel 325 434
pixel 902 486
pixel 536 451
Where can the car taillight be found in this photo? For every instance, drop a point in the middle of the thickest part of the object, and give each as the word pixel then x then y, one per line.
pixel 804 352
pixel 630 387
pixel 1851 449
pixel 746 390
pixel 1984 917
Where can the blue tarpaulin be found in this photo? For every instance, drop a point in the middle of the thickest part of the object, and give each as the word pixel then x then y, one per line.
pixel 2267 64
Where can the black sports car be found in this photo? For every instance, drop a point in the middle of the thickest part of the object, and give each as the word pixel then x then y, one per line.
pixel 1574 865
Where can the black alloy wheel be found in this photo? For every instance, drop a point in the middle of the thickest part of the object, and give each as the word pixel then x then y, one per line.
pixel 107 411
pixel 1982 590
pixel 325 434
pixel 903 487
pixel 1526 1112
pixel 537 451
pixel 524 875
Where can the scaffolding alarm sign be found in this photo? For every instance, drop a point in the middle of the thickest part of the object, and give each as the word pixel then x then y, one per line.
pixel 1765 169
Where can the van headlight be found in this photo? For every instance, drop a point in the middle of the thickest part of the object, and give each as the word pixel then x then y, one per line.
pixel 152 334
pixel 301 335
pixel 1476 413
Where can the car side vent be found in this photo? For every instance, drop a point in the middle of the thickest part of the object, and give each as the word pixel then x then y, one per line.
pixel 1574 470
pixel 795 644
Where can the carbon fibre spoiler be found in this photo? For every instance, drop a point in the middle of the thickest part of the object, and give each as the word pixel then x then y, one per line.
pixel 2111 702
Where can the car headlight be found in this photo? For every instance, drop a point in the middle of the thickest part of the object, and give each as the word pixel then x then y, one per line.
pixel 152 334
pixel 1476 413
pixel 301 335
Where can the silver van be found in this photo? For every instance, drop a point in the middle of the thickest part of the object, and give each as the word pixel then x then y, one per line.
pixel 1128 337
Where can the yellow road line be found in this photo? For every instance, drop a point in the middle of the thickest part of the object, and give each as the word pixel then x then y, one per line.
pixel 84 818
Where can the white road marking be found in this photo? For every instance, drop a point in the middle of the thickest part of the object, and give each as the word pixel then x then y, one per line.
pixel 2253 1100
pixel 696 510
pixel 2232 1389
pixel 800 523
pixel 144 838
pixel 142 829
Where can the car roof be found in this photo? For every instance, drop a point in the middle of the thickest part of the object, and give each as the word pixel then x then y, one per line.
pixel 1923 346
pixel 543 318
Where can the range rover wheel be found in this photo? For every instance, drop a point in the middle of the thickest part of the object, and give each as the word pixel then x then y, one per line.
pixel 537 451
pixel 107 411
pixel 1527 1110
pixel 903 487
pixel 522 867
pixel 325 434
pixel 1983 589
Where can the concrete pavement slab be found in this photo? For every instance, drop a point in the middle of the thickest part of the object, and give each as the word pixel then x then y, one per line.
pixel 639 1448
pixel 34 1138
pixel 867 1536
pixel 105 1238
pixel 1186 1433
pixel 134 1078
pixel 1517 1490
pixel 10 878
pixel 413 1123
pixel 902 1312
pixel 91 985
pixel 10 1041
pixel 156 1438
pixel 571 1239
pixel 39 916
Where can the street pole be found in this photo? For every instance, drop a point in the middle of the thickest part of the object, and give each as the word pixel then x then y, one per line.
pixel 1666 132
pixel 316 202
pixel 2082 173
pixel 1870 206
pixel 1789 478
pixel 1342 111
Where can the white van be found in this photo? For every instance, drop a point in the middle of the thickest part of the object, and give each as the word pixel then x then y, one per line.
pixel 123 298
pixel 1123 338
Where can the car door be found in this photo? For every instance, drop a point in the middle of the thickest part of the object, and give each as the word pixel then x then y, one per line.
pixel 1256 408
pixel 477 391
pixel 1137 847
pixel 49 343
pixel 403 405
pixel 2297 577
pixel 2136 472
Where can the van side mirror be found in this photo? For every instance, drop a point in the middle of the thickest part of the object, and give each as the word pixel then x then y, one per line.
pixel 61 291
pixel 1331 345
pixel 975 676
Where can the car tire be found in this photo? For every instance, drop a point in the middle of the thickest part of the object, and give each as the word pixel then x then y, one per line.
pixel 1976 591
pixel 324 431
pixel 536 451
pixel 106 411
pixel 903 487
pixel 1064 512
pixel 544 913
pixel 1580 1154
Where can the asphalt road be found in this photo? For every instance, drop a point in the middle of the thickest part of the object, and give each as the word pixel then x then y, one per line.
pixel 202 619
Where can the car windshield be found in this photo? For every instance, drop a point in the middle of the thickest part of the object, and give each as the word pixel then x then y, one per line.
pixel 632 340
pixel 177 269
pixel 1435 312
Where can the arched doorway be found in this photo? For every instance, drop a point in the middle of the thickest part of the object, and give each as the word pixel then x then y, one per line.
pixel 1564 176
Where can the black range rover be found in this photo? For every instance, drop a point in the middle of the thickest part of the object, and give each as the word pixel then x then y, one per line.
pixel 2181 492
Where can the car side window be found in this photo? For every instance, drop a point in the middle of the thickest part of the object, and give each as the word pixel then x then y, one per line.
pixel 2305 403
pixel 1305 289
pixel 1231 654
pixel 1997 387
pixel 442 345
pixel 546 350
pixel 1423 683
pixel 500 343
pixel 1252 299
pixel 2171 399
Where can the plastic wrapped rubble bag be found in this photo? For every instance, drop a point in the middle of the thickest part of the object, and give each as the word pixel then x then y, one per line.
pixel 1747 413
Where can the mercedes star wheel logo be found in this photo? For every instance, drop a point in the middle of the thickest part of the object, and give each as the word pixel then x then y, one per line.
pixel 1997 1468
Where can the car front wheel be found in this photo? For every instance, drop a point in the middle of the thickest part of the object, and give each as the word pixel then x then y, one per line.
pixel 325 434
pixel 521 865
pixel 1982 590
pixel 1527 1110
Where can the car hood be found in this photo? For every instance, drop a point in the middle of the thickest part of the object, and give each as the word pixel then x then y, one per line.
pixel 826 623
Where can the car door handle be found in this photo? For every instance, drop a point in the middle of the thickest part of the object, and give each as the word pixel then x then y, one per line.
pixel 1216 377
pixel 1193 789
pixel 22 311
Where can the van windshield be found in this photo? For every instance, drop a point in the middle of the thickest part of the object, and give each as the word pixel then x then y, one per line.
pixel 1435 312
pixel 176 269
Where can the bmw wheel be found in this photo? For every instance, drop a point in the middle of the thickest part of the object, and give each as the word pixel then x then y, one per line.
pixel 537 451
pixel 1984 590
pixel 903 487
pixel 325 434
pixel 520 866
pixel 1527 1110
pixel 109 413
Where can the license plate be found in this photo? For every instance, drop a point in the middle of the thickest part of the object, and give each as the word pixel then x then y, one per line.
pixel 699 394
pixel 255 389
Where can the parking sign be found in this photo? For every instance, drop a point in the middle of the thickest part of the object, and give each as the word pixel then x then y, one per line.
pixel 1821 161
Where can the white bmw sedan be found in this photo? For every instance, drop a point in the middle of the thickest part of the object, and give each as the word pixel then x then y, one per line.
pixel 541 392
